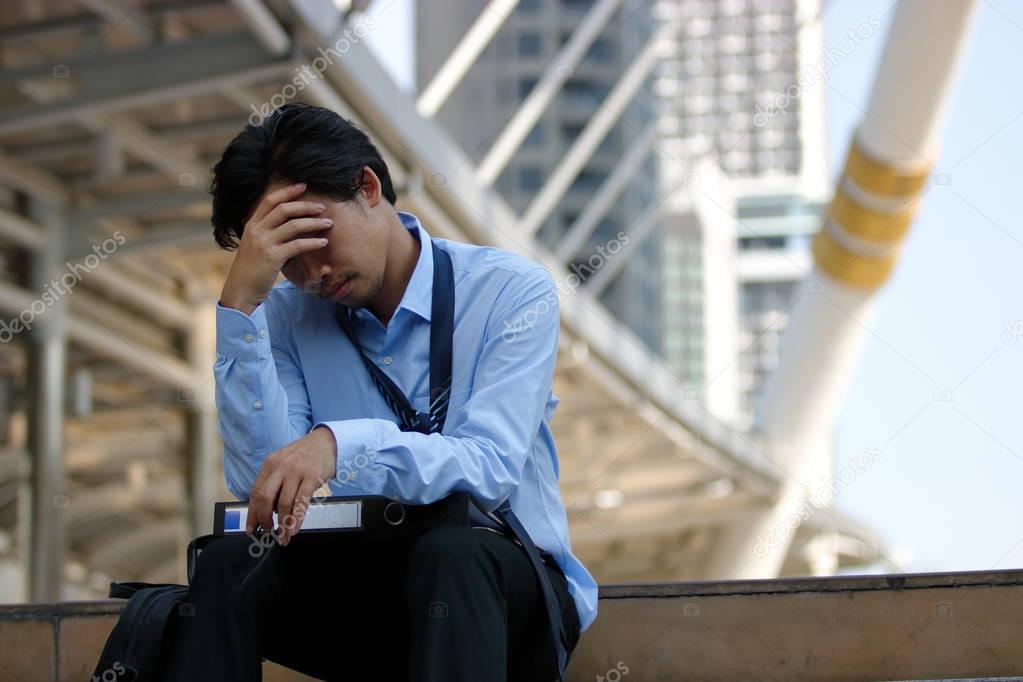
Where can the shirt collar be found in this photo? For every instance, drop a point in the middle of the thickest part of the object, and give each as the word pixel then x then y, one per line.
pixel 418 297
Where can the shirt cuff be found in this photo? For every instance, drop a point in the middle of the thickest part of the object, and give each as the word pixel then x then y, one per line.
pixel 241 335
pixel 358 442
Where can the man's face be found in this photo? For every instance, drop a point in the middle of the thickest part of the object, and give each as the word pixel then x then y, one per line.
pixel 350 268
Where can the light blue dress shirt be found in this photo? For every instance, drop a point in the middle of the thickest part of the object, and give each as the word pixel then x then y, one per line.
pixel 288 368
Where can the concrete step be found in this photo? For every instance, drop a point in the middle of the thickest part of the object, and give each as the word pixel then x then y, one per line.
pixel 965 626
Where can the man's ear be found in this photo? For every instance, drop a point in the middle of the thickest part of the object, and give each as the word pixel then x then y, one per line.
pixel 371 188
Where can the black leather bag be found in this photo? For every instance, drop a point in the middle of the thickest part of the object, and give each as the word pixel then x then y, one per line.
pixel 135 649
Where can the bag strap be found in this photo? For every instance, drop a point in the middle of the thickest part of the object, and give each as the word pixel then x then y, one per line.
pixel 442 325
pixel 192 553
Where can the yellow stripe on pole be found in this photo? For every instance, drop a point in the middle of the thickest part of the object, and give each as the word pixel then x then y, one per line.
pixel 867 224
pixel 857 269
pixel 885 179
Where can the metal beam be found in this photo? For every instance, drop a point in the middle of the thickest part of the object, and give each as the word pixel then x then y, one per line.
pixel 203 449
pixel 263 23
pixel 135 23
pixel 579 232
pixel 163 369
pixel 22 231
pixel 138 140
pixel 47 351
pixel 158 305
pixel 31 180
pixel 134 205
pixel 595 131
pixel 464 55
pixel 637 235
pixel 164 235
pixel 550 83
pixel 124 79
pixel 52 26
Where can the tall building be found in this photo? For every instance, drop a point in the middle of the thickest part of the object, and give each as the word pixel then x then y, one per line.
pixel 737 167
pixel 503 76
pixel 739 90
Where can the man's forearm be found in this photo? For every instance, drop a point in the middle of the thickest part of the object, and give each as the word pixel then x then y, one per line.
pixel 254 409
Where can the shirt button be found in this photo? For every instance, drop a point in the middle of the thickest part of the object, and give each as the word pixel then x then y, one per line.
pixel 387 359
pixel 249 338
pixel 258 405
pixel 262 333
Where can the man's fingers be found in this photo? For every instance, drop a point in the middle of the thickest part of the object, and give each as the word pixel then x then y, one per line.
pixel 282 213
pixel 250 519
pixel 299 226
pixel 300 246
pixel 305 495
pixel 262 501
pixel 285 507
pixel 276 197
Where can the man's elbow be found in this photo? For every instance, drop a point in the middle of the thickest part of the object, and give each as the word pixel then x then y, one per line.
pixel 502 477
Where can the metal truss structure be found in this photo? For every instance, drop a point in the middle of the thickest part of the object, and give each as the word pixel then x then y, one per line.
pixel 111 114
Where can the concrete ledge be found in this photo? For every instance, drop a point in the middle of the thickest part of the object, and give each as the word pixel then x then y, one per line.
pixel 896 627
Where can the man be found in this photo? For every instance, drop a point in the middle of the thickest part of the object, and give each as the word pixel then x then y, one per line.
pixel 307 194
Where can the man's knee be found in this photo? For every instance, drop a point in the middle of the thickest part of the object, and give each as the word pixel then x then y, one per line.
pixel 223 559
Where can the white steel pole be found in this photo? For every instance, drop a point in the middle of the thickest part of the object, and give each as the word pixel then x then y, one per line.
pixel 855 251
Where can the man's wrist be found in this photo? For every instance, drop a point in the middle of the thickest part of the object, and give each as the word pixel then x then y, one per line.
pixel 244 307
pixel 328 435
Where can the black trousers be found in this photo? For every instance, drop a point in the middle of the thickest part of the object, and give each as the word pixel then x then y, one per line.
pixel 457 604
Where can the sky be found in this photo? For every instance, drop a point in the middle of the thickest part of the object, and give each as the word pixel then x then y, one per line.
pixel 937 386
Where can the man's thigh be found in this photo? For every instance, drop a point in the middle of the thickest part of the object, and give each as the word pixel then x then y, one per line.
pixel 531 654
pixel 332 605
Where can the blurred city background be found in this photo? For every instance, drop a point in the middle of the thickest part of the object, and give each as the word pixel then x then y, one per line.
pixel 671 161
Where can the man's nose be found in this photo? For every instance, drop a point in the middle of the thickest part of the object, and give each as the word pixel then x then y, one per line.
pixel 315 274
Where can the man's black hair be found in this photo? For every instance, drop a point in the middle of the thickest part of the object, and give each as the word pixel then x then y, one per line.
pixel 296 143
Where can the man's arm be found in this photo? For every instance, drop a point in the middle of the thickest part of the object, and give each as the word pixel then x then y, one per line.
pixel 260 392
pixel 493 432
